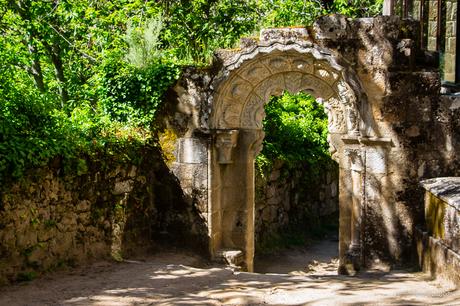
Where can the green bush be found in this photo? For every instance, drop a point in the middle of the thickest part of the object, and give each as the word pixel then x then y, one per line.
pixel 134 94
pixel 33 129
pixel 296 132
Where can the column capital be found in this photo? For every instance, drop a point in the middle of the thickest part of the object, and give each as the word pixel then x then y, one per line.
pixel 226 140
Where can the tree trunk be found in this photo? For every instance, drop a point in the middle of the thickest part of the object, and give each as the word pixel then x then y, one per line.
pixel 54 53
pixel 35 69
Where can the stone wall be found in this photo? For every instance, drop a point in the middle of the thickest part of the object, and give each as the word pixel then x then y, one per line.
pixel 448 32
pixel 52 217
pixel 288 200
pixel 438 239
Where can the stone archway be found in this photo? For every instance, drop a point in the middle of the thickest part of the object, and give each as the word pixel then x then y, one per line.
pixel 243 88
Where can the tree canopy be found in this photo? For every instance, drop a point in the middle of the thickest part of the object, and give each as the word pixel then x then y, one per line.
pixel 78 77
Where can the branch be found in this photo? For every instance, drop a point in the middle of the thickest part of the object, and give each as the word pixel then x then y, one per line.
pixel 92 59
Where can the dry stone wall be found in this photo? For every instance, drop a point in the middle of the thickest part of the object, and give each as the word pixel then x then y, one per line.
pixel 293 200
pixel 50 219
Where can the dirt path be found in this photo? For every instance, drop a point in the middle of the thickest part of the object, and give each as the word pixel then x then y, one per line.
pixel 173 278
pixel 320 258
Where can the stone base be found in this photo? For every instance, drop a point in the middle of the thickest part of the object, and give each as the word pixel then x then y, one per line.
pixel 437 259
pixel 233 258
pixel 351 264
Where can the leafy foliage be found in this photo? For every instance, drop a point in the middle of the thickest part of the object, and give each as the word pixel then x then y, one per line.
pixel 82 77
pixel 296 132
pixel 281 13
pixel 194 29
pixel 133 95
pixel 144 42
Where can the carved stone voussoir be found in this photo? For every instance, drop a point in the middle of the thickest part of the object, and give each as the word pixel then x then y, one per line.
pixel 285 35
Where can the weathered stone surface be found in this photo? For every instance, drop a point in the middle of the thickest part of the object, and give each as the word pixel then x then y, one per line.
pixel 50 219
pixel 387 127
pixel 445 188
pixel 442 210
pixel 437 259
pixel 284 36
pixel 292 198
pixel 192 151
pixel 122 187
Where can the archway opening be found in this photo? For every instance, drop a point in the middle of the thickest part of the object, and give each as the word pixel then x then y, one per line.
pixel 244 87
pixel 296 188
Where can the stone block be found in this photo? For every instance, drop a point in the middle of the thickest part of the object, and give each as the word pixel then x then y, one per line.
pixel 122 187
pixel 451 29
pixel 234 258
pixel 437 259
pixel 449 77
pixel 46 234
pixel 442 210
pixel 432 29
pixel 26 239
pixel 452 13
pixel 432 10
pixel 82 206
pixel 332 27
pixel 284 35
pixel 192 151
pixel 451 45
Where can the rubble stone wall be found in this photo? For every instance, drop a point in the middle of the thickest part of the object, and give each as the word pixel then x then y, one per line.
pixel 293 199
pixel 50 219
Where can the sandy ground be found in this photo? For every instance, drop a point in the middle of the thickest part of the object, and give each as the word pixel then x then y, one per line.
pixel 292 277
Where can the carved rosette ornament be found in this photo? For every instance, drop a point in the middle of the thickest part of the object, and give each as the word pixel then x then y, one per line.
pixel 249 79
pixel 225 142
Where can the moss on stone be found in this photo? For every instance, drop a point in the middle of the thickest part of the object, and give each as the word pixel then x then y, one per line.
pixel 167 140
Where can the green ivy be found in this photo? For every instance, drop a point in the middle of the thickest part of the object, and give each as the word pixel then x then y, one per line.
pixel 134 94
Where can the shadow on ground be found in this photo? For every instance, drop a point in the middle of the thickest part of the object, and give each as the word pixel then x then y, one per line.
pixel 172 278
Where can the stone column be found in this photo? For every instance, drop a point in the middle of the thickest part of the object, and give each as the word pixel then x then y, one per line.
pixel 254 139
pixel 231 204
pixel 220 159
pixel 356 167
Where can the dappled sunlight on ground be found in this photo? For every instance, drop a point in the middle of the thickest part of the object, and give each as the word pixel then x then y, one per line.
pixel 185 279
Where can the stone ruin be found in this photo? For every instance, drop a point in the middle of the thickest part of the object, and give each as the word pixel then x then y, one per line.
pixel 389 128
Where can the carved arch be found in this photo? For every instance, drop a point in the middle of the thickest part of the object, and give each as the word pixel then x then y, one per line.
pixel 241 89
pixel 249 79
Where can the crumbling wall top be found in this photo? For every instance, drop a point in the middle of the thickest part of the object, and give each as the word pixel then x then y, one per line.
pixel 445 188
